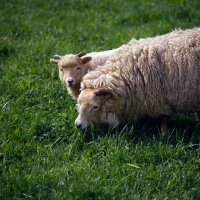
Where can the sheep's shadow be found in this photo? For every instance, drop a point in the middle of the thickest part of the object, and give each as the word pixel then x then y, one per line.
pixel 184 127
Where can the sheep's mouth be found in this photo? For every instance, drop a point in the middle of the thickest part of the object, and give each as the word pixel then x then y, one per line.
pixel 70 84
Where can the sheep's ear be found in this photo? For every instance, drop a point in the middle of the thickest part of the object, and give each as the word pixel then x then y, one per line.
pixel 54 61
pixel 86 59
pixel 81 54
pixel 57 57
pixel 110 99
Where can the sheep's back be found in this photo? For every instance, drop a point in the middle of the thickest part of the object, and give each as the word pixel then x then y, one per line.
pixel 155 76
pixel 169 67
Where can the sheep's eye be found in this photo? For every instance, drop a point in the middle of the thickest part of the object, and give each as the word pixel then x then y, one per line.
pixel 61 70
pixel 95 107
pixel 78 68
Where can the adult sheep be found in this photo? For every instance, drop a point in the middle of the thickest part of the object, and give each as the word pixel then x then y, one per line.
pixel 73 67
pixel 155 77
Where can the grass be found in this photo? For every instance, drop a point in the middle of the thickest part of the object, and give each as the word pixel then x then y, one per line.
pixel 42 154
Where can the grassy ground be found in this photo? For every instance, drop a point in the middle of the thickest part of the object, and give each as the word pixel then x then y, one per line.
pixel 42 154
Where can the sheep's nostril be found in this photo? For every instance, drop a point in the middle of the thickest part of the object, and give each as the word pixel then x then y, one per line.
pixel 78 126
pixel 70 82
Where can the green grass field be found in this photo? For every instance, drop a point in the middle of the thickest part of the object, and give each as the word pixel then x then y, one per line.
pixel 42 154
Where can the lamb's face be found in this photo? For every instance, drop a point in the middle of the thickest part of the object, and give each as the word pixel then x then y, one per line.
pixel 71 69
pixel 70 75
pixel 96 106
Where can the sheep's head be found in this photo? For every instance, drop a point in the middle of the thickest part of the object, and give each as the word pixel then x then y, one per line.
pixel 71 68
pixel 96 106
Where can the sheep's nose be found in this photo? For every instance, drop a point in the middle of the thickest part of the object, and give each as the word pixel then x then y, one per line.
pixel 78 126
pixel 70 82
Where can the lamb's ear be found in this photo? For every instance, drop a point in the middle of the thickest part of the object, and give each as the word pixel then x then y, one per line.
pixel 109 97
pixel 54 61
pixel 86 59
pixel 81 54
pixel 57 57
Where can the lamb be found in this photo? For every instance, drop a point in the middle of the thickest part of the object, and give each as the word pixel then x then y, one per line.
pixel 72 67
pixel 155 77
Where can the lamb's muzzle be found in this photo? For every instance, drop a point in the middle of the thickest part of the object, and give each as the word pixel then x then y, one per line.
pixel 70 81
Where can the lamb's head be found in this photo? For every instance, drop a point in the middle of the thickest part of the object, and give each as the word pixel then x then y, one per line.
pixel 96 106
pixel 70 67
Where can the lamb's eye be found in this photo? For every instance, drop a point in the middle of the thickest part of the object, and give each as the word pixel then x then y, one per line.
pixel 95 107
pixel 78 68
pixel 61 70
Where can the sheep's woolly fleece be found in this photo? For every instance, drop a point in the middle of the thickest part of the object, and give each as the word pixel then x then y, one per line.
pixel 154 77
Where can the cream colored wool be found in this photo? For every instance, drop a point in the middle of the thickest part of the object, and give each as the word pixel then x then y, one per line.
pixel 154 77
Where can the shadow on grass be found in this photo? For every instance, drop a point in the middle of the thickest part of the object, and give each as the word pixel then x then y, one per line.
pixel 6 51
pixel 185 128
